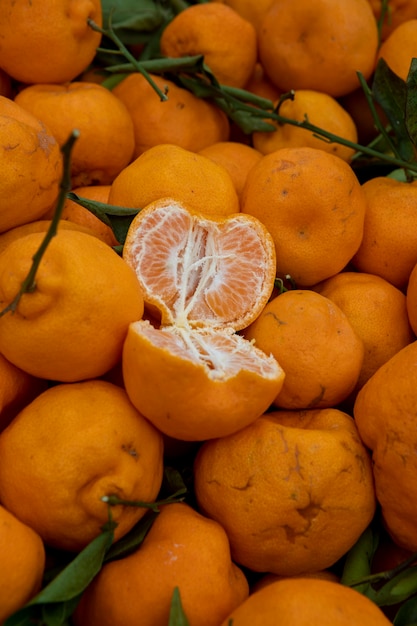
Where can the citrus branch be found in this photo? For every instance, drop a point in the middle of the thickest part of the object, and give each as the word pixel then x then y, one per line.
pixel 29 283
pixel 137 66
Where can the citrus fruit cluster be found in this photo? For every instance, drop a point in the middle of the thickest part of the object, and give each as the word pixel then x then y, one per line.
pixel 208 313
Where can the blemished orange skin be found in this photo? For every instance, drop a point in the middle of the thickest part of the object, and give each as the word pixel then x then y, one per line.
pixel 31 171
pixel 315 344
pixel 73 445
pixel 227 41
pixel 182 549
pixel 23 563
pixel 376 310
pixel 389 244
pixel 17 388
pixel 166 170
pixel 384 412
pixel 52 44
pixel 320 109
pixel 314 207
pixel 184 119
pixel 293 490
pixel 72 325
pixel 400 47
pixel 106 134
pixel 307 601
pixel 318 46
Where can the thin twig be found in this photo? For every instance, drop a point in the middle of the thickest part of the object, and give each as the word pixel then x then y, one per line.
pixel 29 283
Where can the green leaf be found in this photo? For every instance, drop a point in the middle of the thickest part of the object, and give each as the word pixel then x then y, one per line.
pixel 407 614
pixel 177 617
pixel 63 592
pixel 390 92
pixel 399 589
pixel 398 174
pixel 131 18
pixel 358 561
pixel 118 218
pixel 411 102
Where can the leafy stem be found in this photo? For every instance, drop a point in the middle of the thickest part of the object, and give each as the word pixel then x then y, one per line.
pixel 249 111
pixel 29 283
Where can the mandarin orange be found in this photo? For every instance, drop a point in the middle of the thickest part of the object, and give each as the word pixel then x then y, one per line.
pixel 227 41
pixel 307 601
pixel 389 244
pixel 320 45
pixel 166 170
pixel 315 344
pixel 319 109
pixel 314 207
pixel 72 446
pixel 204 277
pixel 376 310
pixel 182 549
pixel 293 490
pixel 53 46
pixel 183 120
pixel 106 134
pixel 72 325
pixel 22 563
pixel 384 412
pixel 31 166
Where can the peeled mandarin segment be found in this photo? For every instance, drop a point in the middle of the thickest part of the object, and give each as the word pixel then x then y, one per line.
pixel 197 384
pixel 198 270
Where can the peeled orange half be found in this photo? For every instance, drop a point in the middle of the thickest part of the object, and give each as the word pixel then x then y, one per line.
pixel 203 278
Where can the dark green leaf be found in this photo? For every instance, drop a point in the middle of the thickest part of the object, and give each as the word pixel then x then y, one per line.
pixel 66 587
pixel 390 92
pixel 407 614
pixel 399 589
pixel 411 102
pixel 358 560
pixel 132 17
pixel 177 616
pixel 117 217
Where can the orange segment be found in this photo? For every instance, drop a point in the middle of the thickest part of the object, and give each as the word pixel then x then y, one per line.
pixel 199 270
pixel 229 382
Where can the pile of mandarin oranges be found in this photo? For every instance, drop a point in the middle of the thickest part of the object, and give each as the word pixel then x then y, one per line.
pixel 208 314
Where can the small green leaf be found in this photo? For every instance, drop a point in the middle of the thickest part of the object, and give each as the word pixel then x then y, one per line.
pixel 407 614
pixel 399 174
pixel 390 92
pixel 177 617
pixel 358 561
pixel 399 589
pixel 411 102
pixel 118 218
